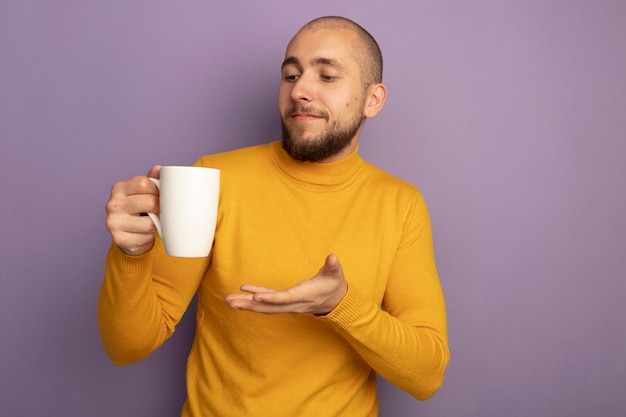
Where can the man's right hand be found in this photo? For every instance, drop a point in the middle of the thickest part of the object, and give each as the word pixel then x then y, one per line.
pixel 132 231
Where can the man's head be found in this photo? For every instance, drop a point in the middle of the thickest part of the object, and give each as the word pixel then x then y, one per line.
pixel 366 50
pixel 331 82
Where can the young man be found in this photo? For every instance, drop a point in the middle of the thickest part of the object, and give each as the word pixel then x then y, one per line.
pixel 269 341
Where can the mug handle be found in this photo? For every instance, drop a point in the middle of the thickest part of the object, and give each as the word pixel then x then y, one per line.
pixel 153 216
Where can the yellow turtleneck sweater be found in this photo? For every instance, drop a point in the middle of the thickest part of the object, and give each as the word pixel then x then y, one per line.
pixel 278 220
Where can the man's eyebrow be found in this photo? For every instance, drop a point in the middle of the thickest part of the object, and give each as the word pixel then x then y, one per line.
pixel 330 62
pixel 292 60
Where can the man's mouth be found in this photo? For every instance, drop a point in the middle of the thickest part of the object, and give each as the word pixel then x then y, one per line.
pixel 304 115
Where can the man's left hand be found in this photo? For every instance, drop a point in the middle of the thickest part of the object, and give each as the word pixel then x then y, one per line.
pixel 318 295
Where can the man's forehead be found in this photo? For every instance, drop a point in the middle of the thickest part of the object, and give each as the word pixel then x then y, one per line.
pixel 336 38
pixel 320 45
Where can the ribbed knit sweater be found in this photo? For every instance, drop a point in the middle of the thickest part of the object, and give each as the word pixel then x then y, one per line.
pixel 278 220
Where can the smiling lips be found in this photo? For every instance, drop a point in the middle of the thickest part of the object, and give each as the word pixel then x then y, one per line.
pixel 305 115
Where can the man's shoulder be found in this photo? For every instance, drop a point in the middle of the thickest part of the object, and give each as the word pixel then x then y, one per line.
pixel 381 178
pixel 236 158
pixel 394 191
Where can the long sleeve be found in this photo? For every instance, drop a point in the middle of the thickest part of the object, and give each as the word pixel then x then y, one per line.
pixel 277 222
pixel 406 342
pixel 142 299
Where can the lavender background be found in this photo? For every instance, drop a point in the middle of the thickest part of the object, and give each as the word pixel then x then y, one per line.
pixel 509 115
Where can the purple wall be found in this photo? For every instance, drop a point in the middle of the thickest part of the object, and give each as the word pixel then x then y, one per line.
pixel 510 116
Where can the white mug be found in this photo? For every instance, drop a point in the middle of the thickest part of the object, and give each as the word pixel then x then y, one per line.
pixel 188 203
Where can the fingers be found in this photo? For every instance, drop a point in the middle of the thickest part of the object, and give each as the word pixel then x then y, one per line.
pixel 131 231
pixel 239 301
pixel 265 300
pixel 249 302
pixel 255 289
pixel 250 293
pixel 135 186
pixel 271 296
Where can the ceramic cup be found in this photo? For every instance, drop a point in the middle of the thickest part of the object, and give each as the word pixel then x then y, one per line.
pixel 188 209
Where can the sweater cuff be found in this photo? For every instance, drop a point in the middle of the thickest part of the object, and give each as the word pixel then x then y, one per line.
pixel 352 309
pixel 127 264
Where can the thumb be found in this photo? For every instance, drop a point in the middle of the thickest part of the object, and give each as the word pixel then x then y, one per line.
pixel 155 172
pixel 331 266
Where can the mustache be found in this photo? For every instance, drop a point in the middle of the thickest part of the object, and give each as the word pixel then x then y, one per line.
pixel 299 108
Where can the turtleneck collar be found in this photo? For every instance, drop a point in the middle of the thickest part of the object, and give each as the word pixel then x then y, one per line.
pixel 313 173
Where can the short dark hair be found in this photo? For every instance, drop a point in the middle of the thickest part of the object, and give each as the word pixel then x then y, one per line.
pixel 368 52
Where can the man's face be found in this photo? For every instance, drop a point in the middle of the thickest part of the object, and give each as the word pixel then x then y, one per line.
pixel 321 99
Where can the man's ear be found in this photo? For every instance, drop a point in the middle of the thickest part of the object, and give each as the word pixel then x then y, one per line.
pixel 376 96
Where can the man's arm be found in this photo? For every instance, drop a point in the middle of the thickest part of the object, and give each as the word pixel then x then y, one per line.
pixel 145 292
pixel 143 298
pixel 406 342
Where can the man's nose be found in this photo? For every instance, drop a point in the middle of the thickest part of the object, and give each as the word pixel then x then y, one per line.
pixel 303 89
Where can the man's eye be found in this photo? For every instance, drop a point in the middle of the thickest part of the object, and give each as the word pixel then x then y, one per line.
pixel 327 78
pixel 292 78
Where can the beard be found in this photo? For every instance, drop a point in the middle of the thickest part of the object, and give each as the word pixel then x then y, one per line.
pixel 328 143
